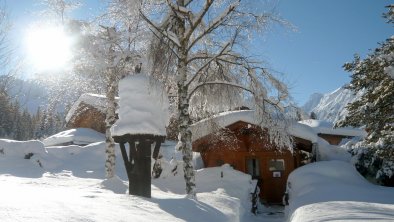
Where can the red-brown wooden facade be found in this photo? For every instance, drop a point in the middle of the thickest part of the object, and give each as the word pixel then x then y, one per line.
pixel 247 148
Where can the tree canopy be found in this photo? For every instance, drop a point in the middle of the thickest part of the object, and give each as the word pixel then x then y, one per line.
pixel 374 110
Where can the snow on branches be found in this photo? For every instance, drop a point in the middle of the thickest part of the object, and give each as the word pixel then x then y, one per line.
pixel 212 73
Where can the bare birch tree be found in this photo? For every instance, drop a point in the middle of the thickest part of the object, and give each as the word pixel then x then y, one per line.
pixel 110 50
pixel 205 39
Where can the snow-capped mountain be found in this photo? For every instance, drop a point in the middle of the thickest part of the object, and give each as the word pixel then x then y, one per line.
pixel 313 101
pixel 330 106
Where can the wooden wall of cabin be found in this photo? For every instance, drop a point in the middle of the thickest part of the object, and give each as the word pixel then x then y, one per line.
pixel 88 117
pixel 247 147
pixel 331 139
pixel 272 182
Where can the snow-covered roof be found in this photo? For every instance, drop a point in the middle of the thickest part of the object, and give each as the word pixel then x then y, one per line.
pixel 307 129
pixel 325 127
pixel 79 136
pixel 221 120
pixel 143 107
pixel 303 131
pixel 95 100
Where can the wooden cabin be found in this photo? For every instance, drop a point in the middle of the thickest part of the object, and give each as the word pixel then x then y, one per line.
pixel 88 112
pixel 245 146
pixel 235 138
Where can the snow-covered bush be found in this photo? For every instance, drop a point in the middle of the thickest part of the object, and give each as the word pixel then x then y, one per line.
pixel 376 160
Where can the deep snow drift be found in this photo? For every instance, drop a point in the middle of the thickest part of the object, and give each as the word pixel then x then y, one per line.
pixel 65 183
pixel 79 136
pixel 63 197
pixel 334 190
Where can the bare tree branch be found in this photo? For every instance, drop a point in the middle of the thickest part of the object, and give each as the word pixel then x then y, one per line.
pixel 199 18
pixel 168 34
pixel 206 64
pixel 215 23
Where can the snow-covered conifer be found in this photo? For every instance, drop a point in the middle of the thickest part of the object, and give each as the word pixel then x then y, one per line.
pixel 374 110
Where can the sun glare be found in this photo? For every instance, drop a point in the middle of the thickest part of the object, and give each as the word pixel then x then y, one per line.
pixel 48 48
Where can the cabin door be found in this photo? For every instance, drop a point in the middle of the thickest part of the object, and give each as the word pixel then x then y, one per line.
pixel 253 168
pixel 274 180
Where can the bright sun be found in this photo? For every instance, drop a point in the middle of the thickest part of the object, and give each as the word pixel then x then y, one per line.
pixel 49 48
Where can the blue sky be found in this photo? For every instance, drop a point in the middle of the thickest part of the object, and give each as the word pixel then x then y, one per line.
pixel 329 33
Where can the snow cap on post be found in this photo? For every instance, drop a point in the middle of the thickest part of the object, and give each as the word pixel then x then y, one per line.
pixel 143 107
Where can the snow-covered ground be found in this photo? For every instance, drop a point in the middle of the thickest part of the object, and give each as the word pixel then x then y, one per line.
pixel 66 183
pixel 334 191
pixel 64 197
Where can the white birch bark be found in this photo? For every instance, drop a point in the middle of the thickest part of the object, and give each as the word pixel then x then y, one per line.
pixel 109 121
pixel 185 135
pixel 111 89
pixel 204 37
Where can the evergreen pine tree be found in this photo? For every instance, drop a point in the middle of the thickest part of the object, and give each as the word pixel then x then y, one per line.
pixel 5 115
pixel 374 110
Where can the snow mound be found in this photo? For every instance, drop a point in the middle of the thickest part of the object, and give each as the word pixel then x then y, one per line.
pixel 143 107
pixel 168 152
pixel 21 148
pixel 21 158
pixel 83 161
pixel 214 186
pixel 351 211
pixel 79 136
pixel 327 151
pixel 115 184
pixel 317 187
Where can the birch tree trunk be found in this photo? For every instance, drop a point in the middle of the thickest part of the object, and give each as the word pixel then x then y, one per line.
pixel 185 134
pixel 109 121
pixel 204 37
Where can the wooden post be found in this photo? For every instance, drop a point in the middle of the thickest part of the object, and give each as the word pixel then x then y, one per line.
pixel 144 150
pixel 138 161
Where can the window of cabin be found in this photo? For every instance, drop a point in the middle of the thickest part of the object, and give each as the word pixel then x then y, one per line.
pixel 253 167
pixel 276 165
